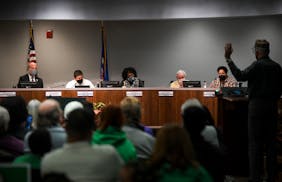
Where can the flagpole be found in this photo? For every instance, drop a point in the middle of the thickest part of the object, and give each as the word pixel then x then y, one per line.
pixel 105 50
pixel 31 30
pixel 104 75
pixel 31 48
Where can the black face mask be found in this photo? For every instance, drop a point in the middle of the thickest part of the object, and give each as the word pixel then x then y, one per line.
pixel 222 77
pixel 79 81
pixel 131 79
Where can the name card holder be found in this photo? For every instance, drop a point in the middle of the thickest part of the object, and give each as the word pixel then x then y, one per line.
pixel 165 93
pixel 209 94
pixel 7 94
pixel 53 94
pixel 134 93
pixel 84 93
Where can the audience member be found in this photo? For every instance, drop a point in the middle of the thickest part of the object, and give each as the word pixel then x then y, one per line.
pixel 16 107
pixel 129 78
pixel 31 76
pixel 209 155
pixel 50 116
pixel 264 78
pixel 209 132
pixel 79 80
pixel 174 157
pixel 134 130
pixel 180 77
pixel 32 108
pixel 39 142
pixel 98 107
pixel 88 107
pixel 223 80
pixel 78 160
pixel 10 146
pixel 109 132
pixel 71 106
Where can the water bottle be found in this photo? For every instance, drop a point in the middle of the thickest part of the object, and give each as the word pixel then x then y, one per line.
pixel 205 84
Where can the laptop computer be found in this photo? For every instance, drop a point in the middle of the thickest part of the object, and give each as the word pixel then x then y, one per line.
pixel 27 84
pixel 82 86
pixel 110 84
pixel 191 84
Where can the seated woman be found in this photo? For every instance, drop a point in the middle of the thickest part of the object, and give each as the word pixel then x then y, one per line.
pixel 174 158
pixel 130 79
pixel 223 80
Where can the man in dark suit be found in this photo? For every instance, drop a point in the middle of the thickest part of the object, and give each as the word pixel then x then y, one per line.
pixel 31 79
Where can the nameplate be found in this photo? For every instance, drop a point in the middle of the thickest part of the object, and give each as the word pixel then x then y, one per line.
pixel 84 93
pixel 53 94
pixel 209 94
pixel 7 94
pixel 165 93
pixel 134 93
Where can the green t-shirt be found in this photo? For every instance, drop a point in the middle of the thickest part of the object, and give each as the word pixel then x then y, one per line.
pixel 191 174
pixel 33 160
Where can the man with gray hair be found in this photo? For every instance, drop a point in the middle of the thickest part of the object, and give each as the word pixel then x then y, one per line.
pixel 180 77
pixel 264 78
pixel 50 116
pixel 142 141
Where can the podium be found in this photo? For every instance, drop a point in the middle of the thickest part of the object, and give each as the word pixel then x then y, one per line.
pixel 233 122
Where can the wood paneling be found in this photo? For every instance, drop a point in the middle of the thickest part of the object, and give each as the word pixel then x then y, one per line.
pixel 156 110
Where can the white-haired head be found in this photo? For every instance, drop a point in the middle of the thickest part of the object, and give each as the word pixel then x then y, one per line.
pixel 181 74
pixel 190 103
pixel 32 108
pixel 71 106
pixel 4 120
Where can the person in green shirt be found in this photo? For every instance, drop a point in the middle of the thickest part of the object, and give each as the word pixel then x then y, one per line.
pixel 109 132
pixel 39 143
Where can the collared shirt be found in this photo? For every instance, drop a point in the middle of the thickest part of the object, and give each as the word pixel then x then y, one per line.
pixel 175 84
pixel 228 82
pixel 31 78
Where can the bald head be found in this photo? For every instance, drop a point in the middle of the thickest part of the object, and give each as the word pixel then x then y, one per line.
pixel 48 105
pixel 49 113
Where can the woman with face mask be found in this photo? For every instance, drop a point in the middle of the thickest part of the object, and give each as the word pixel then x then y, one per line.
pixel 223 80
pixel 130 79
pixel 79 81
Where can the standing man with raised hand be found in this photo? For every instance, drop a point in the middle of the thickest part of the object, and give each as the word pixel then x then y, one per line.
pixel 264 78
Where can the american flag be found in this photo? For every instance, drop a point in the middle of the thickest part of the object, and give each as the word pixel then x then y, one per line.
pixel 104 73
pixel 31 49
